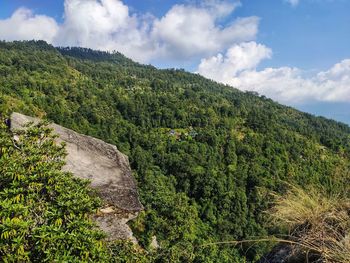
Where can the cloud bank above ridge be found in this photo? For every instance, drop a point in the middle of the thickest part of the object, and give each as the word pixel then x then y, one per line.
pixel 238 68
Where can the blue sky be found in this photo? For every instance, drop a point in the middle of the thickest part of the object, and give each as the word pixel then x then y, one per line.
pixel 296 52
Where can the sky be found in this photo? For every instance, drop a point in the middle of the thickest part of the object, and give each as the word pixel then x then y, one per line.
pixel 296 52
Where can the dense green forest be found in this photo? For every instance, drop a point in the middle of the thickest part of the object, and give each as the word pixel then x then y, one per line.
pixel 206 156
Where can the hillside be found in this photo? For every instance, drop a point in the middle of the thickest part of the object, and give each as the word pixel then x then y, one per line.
pixel 206 156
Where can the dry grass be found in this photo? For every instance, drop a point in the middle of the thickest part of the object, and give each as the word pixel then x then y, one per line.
pixel 318 224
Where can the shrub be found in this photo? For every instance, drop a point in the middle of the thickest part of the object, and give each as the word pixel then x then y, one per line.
pixel 44 212
pixel 318 224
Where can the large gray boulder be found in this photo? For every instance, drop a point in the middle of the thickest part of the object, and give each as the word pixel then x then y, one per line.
pixel 107 169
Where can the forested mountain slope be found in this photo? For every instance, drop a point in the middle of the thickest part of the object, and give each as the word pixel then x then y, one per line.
pixel 206 156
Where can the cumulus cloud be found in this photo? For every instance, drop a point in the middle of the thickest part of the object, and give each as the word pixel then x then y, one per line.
pixel 237 58
pixel 92 22
pixel 24 25
pixel 335 83
pixel 187 31
pixel 238 67
pixel 105 25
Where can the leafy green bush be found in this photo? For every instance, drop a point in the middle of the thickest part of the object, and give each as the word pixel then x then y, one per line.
pixel 44 212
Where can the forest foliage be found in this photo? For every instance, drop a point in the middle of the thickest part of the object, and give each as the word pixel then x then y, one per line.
pixel 206 156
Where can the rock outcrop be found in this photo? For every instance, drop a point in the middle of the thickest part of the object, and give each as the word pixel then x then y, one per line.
pixel 107 169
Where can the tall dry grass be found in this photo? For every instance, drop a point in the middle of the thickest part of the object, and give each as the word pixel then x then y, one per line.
pixel 318 224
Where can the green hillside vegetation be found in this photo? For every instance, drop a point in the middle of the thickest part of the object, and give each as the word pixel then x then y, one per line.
pixel 206 156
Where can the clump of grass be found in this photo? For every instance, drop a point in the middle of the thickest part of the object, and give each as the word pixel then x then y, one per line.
pixel 318 224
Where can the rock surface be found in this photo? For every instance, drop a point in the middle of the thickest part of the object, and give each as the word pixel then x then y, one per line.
pixel 107 169
pixel 280 254
pixel 286 253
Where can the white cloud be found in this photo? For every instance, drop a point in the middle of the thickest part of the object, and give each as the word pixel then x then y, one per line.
pixel 24 25
pixel 238 67
pixel 105 25
pixel 293 2
pixel 238 58
pixel 88 22
pixel 187 31
pixel 335 83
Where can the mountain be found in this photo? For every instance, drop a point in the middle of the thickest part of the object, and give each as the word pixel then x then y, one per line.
pixel 206 156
